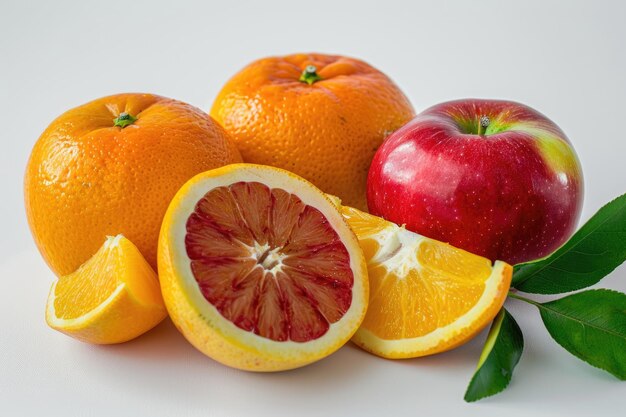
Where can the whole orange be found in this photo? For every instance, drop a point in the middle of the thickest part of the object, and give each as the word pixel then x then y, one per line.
pixel 111 167
pixel 320 116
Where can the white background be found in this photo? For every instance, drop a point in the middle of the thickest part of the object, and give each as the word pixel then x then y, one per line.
pixel 566 59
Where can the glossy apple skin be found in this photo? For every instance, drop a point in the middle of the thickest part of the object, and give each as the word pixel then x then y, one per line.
pixel 514 193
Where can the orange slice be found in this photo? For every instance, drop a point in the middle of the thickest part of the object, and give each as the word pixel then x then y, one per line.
pixel 259 270
pixel 426 296
pixel 111 298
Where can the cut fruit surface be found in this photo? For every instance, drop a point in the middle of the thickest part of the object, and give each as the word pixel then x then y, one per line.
pixel 259 270
pixel 426 296
pixel 111 298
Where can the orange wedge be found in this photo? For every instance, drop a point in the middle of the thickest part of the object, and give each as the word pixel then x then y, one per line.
pixel 259 270
pixel 426 296
pixel 111 298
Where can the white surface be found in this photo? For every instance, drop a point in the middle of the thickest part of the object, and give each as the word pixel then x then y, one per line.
pixel 567 59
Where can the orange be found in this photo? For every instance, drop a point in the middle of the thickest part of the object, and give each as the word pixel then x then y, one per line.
pixel 320 116
pixel 112 166
pixel 426 296
pixel 111 298
pixel 259 270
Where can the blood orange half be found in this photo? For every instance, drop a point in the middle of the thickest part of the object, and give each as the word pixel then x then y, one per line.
pixel 259 270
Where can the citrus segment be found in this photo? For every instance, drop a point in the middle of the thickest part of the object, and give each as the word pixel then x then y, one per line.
pixel 259 270
pixel 111 298
pixel 426 296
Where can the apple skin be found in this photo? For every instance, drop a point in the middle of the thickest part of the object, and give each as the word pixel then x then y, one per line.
pixel 513 193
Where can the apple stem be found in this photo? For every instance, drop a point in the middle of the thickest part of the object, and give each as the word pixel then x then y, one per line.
pixel 483 125
pixel 309 75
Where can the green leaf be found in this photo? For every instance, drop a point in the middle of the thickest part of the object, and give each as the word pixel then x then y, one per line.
pixel 592 326
pixel 591 253
pixel 501 353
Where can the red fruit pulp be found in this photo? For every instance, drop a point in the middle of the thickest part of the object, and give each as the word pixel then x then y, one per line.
pixel 269 263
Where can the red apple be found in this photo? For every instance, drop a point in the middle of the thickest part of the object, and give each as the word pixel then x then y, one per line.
pixel 496 178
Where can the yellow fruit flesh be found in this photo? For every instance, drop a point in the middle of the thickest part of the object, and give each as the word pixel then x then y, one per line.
pixel 425 296
pixel 111 298
pixel 88 287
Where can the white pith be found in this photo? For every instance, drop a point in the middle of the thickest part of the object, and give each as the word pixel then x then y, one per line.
pixel 112 241
pixel 309 195
pixel 398 250
pixel 273 260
